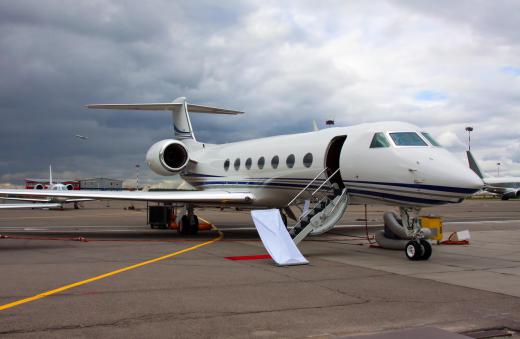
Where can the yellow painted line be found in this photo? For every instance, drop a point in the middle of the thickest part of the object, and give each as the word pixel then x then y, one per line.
pixel 109 274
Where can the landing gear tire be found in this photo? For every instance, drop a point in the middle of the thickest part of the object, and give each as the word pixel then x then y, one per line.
pixel 194 224
pixel 189 225
pixel 413 250
pixel 427 250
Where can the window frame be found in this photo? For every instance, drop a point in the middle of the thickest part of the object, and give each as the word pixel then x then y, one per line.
pixel 312 160
pixel 293 160
pixel 386 138
pixel 263 162
pixel 389 133
pixel 433 141
pixel 277 161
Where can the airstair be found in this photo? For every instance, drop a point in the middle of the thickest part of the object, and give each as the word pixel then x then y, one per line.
pixel 330 203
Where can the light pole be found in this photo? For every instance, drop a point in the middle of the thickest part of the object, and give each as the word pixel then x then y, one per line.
pixel 137 177
pixel 469 129
pixel 498 169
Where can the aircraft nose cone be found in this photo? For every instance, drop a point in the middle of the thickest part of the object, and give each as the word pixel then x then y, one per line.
pixel 471 180
pixel 446 170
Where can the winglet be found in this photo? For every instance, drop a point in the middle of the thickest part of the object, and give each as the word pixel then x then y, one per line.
pixel 473 165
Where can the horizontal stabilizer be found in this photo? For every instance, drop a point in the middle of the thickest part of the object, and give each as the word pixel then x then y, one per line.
pixel 170 106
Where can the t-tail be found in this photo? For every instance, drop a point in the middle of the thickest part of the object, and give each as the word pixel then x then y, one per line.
pixel 473 165
pixel 181 124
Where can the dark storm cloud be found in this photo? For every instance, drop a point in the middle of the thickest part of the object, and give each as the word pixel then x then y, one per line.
pixel 58 56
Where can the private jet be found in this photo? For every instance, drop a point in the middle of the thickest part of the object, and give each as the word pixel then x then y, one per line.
pixel 49 201
pixel 393 163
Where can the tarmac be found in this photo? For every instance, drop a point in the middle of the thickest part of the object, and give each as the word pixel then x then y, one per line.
pixel 100 271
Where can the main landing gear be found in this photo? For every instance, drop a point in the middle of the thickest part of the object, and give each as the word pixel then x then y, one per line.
pixel 189 223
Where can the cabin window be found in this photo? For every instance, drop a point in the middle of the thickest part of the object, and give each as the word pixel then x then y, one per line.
pixel 407 139
pixel 431 139
pixel 261 162
pixel 379 140
pixel 226 164
pixel 248 163
pixel 275 161
pixel 237 164
pixel 290 161
pixel 307 160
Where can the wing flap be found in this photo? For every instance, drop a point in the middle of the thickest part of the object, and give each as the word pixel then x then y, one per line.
pixel 172 196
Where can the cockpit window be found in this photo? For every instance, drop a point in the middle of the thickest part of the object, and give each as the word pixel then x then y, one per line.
pixel 431 139
pixel 407 139
pixel 379 140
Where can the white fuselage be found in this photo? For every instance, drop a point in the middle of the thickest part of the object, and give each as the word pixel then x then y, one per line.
pixel 398 175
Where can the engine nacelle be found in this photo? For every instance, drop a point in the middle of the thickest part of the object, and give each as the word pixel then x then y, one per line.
pixel 510 195
pixel 167 157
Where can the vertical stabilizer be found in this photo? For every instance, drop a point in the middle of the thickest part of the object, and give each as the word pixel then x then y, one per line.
pixel 473 165
pixel 50 175
pixel 181 120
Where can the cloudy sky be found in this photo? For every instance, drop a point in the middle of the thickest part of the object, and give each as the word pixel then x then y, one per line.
pixel 442 65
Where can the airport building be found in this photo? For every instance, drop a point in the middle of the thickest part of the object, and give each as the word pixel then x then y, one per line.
pixel 102 184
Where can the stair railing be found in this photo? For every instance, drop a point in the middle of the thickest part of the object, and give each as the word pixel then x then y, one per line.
pixel 326 181
pixel 305 188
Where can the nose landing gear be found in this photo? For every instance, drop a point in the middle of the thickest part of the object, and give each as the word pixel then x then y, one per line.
pixel 419 249
pixel 404 232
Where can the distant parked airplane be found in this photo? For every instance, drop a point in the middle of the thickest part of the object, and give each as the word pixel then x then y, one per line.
pixel 49 201
pixel 81 137
pixel 505 187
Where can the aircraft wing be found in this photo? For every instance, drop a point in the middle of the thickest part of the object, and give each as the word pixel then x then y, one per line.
pixel 209 197
pixel 44 200
pixel 36 205
pixel 25 199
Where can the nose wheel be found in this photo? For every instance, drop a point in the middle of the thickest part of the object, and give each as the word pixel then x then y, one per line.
pixel 418 250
